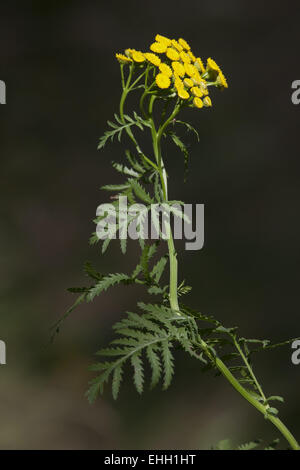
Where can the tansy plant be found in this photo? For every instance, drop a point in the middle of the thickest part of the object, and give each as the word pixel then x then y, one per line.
pixel 172 75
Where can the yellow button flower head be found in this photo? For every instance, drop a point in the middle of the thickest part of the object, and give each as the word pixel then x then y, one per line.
pixel 165 69
pixel 184 44
pixel 192 57
pixel 212 70
pixel 123 59
pixel 178 83
pixel 212 65
pixel 185 57
pixel 162 80
pixel 198 102
pixel 177 45
pixel 197 78
pixel 178 68
pixel 158 47
pixel 183 94
pixel 190 69
pixel 197 91
pixel 172 54
pixel 199 64
pixel 188 82
pixel 203 87
pixel 129 52
pixel 221 80
pixel 163 40
pixel 152 58
pixel 207 101
pixel 137 56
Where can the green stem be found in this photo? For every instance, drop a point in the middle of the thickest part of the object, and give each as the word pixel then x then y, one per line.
pixel 136 81
pixel 156 138
pixel 254 402
pixel 122 75
pixel 173 296
pixel 143 97
pixel 126 89
pixel 260 390
pixel 167 122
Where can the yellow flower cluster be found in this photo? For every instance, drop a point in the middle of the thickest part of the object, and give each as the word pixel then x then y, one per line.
pixel 178 69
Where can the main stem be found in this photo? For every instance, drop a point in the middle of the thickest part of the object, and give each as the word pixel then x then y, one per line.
pixel 173 297
pixel 156 137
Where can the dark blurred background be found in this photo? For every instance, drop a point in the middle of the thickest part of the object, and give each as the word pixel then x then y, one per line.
pixel 57 59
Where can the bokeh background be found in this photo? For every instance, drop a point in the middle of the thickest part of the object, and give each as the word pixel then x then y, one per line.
pixel 57 59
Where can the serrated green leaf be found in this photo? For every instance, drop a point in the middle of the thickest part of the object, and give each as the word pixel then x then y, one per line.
pixel 155 290
pixel 177 141
pixel 154 362
pixel 123 244
pixel 117 129
pixel 249 445
pixel 189 127
pixel 116 381
pixel 140 169
pixel 105 245
pixel 105 283
pixel 140 191
pixel 168 362
pixel 91 272
pixel 138 375
pixel 158 269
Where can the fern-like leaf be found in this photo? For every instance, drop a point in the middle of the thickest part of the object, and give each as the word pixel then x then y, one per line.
pixel 249 445
pixel 140 192
pixel 116 381
pixel 155 364
pixel 138 375
pixel 119 126
pixel 168 362
pixel 158 269
pixel 105 283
